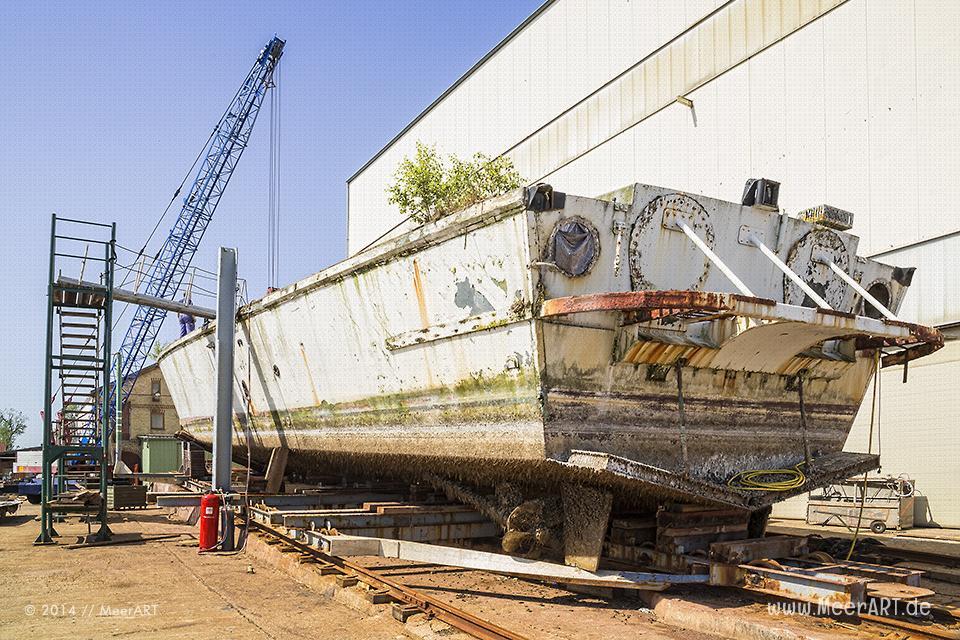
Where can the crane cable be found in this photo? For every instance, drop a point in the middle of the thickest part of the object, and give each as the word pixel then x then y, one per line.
pixel 273 204
pixel 166 210
pixel 874 417
pixel 163 215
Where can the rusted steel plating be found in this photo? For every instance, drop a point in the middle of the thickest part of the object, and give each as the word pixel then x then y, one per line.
pixel 648 305
pixel 640 300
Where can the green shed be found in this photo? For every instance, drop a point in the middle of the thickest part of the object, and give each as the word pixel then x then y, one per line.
pixel 161 454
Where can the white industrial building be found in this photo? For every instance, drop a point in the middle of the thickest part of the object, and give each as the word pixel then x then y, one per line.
pixel 847 102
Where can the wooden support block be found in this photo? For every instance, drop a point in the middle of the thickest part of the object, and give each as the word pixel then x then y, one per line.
pixel 328 569
pixel 374 507
pixel 347 580
pixel 377 596
pixel 402 612
pixel 276 468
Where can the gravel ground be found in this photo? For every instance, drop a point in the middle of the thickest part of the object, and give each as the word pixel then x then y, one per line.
pixel 158 589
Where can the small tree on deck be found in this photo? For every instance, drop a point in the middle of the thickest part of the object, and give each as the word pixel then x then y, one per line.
pixel 427 187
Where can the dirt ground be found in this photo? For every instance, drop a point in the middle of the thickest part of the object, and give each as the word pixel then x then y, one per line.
pixel 164 588
pixel 532 609
pixel 157 589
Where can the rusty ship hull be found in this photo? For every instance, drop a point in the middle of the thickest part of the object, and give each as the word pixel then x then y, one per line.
pixel 544 338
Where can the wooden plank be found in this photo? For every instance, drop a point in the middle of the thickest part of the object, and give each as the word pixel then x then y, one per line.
pixel 276 468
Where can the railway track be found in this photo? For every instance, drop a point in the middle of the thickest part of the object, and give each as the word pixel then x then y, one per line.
pixel 432 607
pixel 889 554
pixel 412 600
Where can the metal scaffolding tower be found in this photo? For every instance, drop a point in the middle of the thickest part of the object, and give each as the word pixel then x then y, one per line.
pixel 76 413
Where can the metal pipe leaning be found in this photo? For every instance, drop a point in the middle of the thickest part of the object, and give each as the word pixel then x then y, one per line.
pixel 714 258
pixel 889 315
pixel 790 273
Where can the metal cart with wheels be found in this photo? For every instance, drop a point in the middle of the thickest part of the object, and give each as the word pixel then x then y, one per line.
pixel 887 503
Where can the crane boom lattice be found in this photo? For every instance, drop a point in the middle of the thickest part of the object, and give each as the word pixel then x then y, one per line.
pixel 220 157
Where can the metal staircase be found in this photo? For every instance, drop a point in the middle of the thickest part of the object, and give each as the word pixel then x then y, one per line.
pixel 75 416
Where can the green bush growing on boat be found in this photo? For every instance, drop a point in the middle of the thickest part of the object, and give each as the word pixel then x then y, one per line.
pixel 427 187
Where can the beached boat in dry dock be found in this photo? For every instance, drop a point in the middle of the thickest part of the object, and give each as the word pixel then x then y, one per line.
pixel 647 344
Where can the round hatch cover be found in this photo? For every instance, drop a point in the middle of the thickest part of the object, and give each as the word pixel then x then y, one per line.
pixel 574 246
pixel 662 256
pixel 819 243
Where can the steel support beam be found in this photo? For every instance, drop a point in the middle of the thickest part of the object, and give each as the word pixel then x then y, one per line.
pixel 142 299
pixel 223 421
pixel 787 271
pixel 493 562
pixel 876 304
pixel 303 500
pixel 342 519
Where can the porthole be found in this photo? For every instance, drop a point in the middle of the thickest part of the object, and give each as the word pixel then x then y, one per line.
pixel 881 292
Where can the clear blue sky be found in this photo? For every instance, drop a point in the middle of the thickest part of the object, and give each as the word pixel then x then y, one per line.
pixel 105 105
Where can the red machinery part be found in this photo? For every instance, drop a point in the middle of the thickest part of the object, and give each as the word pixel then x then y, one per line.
pixel 209 521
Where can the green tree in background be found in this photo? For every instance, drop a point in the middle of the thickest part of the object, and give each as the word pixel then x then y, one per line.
pixel 12 426
pixel 427 187
pixel 157 349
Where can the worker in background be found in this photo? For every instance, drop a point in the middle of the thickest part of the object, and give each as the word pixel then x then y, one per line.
pixel 187 321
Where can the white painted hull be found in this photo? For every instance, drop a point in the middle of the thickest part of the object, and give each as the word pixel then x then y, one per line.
pixel 450 349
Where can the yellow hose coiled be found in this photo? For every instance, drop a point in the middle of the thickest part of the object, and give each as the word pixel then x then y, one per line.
pixel 769 479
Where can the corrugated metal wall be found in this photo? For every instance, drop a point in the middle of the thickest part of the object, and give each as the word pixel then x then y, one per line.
pixel 916 435
pixel 566 53
pixel 849 102
pixel 856 109
pixel 934 297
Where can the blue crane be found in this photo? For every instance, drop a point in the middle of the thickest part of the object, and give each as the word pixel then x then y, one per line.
pixel 220 157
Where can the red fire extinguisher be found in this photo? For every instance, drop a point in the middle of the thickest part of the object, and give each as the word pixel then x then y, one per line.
pixel 209 520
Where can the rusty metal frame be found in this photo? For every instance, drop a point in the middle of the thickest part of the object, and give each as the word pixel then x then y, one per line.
pixel 817 587
pixel 839 584
pixel 828 469
pixel 915 340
